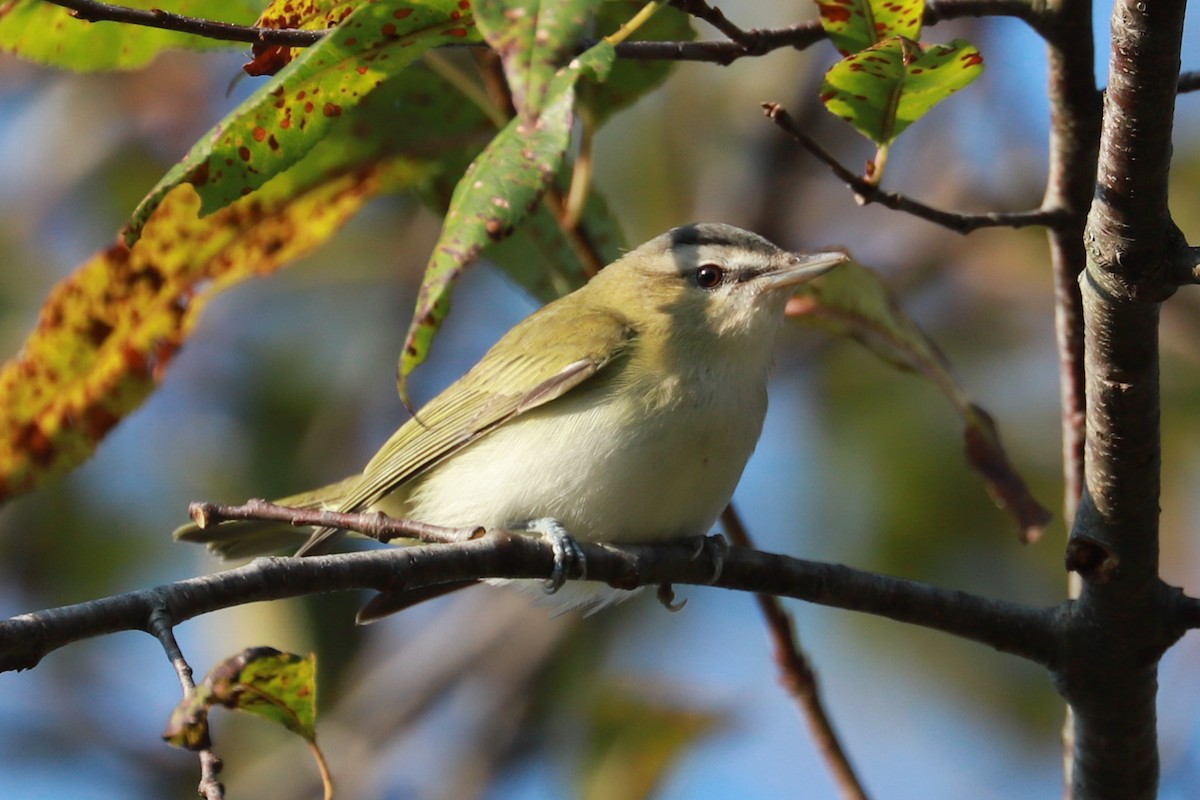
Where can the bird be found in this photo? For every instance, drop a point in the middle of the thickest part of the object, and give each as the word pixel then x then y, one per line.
pixel 624 411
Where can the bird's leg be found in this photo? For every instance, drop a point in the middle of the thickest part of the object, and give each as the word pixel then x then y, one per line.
pixel 566 550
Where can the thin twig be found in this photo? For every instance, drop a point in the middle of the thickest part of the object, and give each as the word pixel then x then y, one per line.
pixel 162 627
pixel 95 11
pixel 715 17
pixel 866 192
pixel 797 674
pixel 378 526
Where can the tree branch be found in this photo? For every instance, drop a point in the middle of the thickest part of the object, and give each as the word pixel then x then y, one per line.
pixel 95 11
pixel 866 192
pixel 798 676
pixel 161 626
pixel 746 43
pixel 1122 620
pixel 1022 630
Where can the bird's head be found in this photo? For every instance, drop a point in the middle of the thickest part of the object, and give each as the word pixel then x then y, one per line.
pixel 710 280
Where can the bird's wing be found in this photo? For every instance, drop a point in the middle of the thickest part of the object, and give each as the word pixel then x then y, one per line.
pixel 539 360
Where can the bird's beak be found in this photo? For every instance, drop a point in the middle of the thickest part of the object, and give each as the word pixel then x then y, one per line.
pixel 800 269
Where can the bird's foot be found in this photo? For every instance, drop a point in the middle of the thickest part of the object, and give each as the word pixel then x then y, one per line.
pixel 566 550
pixel 717 547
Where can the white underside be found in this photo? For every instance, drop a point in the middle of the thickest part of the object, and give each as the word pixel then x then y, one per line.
pixel 576 460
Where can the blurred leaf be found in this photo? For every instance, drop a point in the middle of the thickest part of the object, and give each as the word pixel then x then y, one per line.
pixel 535 39
pixel 887 87
pixel 631 79
pixel 855 25
pixel 499 190
pixel 188 726
pixel 307 15
pixel 635 741
pixel 853 302
pixel 306 101
pixel 48 34
pixel 546 260
pixel 280 687
pixel 107 333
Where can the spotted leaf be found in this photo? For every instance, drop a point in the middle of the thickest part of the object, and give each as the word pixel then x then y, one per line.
pixel 889 86
pixel 309 98
pixel 500 188
pixel 855 25
pixel 107 333
pixel 50 34
pixel 535 39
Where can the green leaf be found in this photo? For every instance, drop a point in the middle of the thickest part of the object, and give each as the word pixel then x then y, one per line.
pixel 307 100
pixel 48 34
pixel 546 260
pixel 499 190
pixel 889 86
pixel 277 686
pixel 855 25
pixel 280 687
pixel 535 39
pixel 853 302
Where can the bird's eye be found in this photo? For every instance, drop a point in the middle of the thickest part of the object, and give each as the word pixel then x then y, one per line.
pixel 709 276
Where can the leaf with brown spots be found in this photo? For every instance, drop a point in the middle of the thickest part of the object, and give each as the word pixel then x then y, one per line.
pixel 107 333
pixel 49 34
pixel 854 302
pixel 887 87
pixel 535 39
pixel 308 100
pixel 855 25
pixel 499 190
pixel 306 15
pixel 277 686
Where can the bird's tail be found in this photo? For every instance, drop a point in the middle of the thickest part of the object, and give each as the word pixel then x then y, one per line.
pixel 245 538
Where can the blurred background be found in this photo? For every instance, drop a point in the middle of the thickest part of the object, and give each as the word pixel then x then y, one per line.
pixel 289 382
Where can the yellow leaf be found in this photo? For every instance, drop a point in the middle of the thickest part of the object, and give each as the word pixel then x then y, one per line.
pixel 107 332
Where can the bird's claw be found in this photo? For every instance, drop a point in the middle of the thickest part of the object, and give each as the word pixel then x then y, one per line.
pixel 718 547
pixel 566 551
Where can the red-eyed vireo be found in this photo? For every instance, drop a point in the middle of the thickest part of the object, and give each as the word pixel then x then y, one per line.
pixel 622 412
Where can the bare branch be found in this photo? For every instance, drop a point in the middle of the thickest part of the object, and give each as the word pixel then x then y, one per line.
pixel 940 10
pixel 1070 181
pixel 797 675
pixel 1189 82
pixel 95 11
pixel 715 17
pixel 866 192
pixel 1022 630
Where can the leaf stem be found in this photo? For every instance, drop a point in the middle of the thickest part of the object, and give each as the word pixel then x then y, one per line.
pixel 627 29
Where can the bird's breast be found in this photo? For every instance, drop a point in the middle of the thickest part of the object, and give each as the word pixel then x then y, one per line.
pixel 612 461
